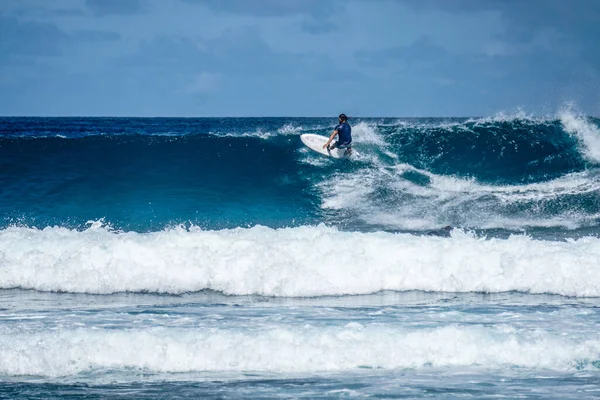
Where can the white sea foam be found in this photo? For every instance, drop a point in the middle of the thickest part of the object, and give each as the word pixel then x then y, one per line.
pixel 587 132
pixel 303 261
pixel 508 116
pixel 287 129
pixel 259 133
pixel 437 203
pixel 364 132
pixel 290 129
pixel 570 184
pixel 280 349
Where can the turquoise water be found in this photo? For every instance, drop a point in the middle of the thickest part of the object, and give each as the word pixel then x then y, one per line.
pixel 219 258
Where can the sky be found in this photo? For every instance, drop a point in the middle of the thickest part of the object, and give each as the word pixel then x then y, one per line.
pixel 202 58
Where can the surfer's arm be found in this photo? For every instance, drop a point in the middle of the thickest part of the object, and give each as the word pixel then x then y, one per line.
pixel 330 139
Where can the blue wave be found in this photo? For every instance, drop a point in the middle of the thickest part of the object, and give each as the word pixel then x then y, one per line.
pixel 498 152
pixel 147 174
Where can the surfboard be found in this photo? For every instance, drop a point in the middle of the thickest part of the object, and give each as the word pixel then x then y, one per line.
pixel 316 142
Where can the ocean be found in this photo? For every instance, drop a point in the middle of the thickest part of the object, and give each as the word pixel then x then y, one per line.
pixel 220 258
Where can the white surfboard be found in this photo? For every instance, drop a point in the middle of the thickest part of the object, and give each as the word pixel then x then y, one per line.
pixel 316 142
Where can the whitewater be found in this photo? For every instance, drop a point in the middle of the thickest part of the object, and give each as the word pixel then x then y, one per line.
pixel 154 257
pixel 301 262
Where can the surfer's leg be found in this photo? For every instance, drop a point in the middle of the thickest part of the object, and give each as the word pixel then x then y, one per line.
pixel 346 146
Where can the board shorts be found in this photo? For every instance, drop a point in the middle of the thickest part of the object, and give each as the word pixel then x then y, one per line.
pixel 338 145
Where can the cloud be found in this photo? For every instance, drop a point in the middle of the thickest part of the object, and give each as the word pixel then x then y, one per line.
pixel 32 52
pixel 272 8
pixel 68 12
pixel 318 27
pixel 30 38
pixel 43 39
pixel 43 10
pixel 461 6
pixel 236 65
pixel 102 8
pixel 562 29
pixel 524 19
pixel 422 50
pixel 318 15
pixel 96 36
pixel 237 52
pixel 245 57
pixel 245 52
pixel 166 53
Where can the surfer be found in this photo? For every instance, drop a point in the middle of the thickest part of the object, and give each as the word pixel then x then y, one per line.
pixel 344 133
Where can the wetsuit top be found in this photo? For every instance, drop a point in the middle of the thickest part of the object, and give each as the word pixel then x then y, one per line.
pixel 344 133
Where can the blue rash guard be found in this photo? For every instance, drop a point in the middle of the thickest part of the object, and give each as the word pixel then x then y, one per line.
pixel 344 134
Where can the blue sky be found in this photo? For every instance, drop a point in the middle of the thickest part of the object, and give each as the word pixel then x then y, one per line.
pixel 298 57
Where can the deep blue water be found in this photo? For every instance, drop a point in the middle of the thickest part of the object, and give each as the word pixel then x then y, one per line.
pixel 148 174
pixel 220 258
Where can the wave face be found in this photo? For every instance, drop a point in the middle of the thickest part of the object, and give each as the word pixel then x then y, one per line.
pixel 502 173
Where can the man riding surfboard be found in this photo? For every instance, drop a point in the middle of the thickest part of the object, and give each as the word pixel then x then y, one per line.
pixel 344 133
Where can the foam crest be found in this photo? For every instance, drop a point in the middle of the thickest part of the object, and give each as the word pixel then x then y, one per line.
pixel 504 116
pixel 384 196
pixel 570 184
pixel 466 124
pixel 290 129
pixel 280 349
pixel 259 133
pixel 364 132
pixel 586 131
pixel 303 261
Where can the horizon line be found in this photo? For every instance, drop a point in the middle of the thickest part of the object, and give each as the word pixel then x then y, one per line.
pixel 279 117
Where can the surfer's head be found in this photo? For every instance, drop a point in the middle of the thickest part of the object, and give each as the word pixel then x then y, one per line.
pixel 343 118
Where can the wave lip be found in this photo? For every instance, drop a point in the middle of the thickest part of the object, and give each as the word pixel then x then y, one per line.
pixel 291 262
pixel 284 350
pixel 587 133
